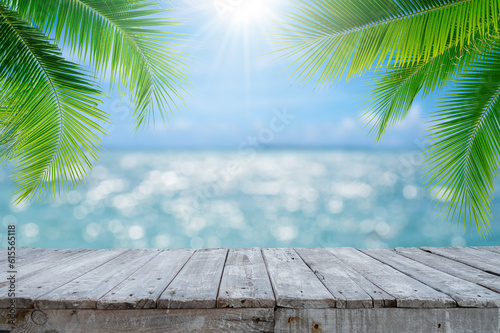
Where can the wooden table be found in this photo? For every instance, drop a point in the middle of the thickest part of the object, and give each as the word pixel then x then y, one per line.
pixel 254 290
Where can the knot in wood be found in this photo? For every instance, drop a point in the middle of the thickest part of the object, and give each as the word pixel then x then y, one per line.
pixel 38 317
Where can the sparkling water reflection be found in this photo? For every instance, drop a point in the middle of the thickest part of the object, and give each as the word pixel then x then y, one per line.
pixel 217 198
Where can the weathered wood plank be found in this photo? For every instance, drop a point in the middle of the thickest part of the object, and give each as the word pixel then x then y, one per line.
pixel 388 320
pixel 84 291
pixel 480 260
pixel 452 267
pixel 407 291
pixel 97 279
pixel 486 255
pixel 245 282
pixel 23 256
pixel 143 320
pixel 144 287
pixel 465 293
pixel 294 284
pixel 25 253
pixel 50 259
pixel 342 281
pixel 28 265
pixel 495 249
pixel 55 276
pixel 33 255
pixel 205 270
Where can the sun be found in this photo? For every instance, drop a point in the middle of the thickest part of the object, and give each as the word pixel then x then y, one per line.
pixel 243 12
pixel 250 11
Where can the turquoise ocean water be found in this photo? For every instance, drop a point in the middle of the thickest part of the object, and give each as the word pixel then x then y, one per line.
pixel 275 198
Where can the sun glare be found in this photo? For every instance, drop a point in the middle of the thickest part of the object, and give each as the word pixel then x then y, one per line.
pixel 243 12
pixel 250 11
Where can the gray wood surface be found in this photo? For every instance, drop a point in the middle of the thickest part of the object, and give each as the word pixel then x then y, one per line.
pixel 407 291
pixel 341 280
pixel 483 253
pixel 144 320
pixel 33 256
pixel 142 288
pixel 475 259
pixel 55 276
pixel 294 284
pixel 452 267
pixel 28 265
pixel 495 249
pixel 24 253
pixel 23 256
pixel 109 281
pixel 388 320
pixel 197 284
pixel 36 259
pixel 84 291
pixel 245 282
pixel 465 293
pixel 33 264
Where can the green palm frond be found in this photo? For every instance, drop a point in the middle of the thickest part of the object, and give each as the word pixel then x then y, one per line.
pixel 465 153
pixel 328 37
pixel 421 46
pixel 395 88
pixel 50 120
pixel 120 37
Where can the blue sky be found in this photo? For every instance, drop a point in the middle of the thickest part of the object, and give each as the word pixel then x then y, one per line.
pixel 237 89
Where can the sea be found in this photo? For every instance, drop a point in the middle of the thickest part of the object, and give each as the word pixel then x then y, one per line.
pixel 273 198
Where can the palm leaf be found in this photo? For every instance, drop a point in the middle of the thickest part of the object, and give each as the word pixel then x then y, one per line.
pixel 330 37
pixel 49 115
pixel 464 155
pixel 395 88
pixel 120 37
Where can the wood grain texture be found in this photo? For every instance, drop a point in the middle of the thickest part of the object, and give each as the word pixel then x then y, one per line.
pixel 495 249
pixel 22 256
pixel 24 253
pixel 341 280
pixel 475 259
pixel 145 321
pixel 245 282
pixel 28 265
pixel 32 256
pixel 282 290
pixel 483 253
pixel 465 293
pixel 141 289
pixel 197 284
pixel 407 291
pixel 84 291
pixel 294 284
pixel 388 320
pixel 55 276
pixel 452 267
